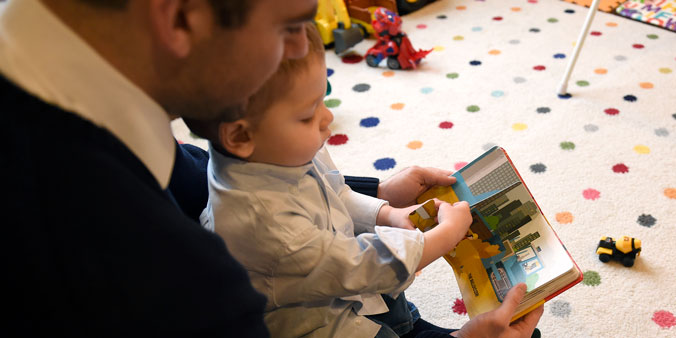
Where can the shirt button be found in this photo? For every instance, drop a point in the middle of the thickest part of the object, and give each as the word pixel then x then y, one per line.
pixel 293 190
pixel 358 321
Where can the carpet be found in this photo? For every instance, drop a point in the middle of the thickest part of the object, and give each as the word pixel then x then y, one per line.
pixel 601 163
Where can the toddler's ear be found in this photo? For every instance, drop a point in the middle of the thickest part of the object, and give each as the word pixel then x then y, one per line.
pixel 236 138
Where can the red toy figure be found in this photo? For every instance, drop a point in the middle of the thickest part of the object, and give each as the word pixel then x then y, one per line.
pixel 392 43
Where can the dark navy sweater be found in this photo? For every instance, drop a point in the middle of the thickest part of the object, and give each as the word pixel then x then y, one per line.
pixel 92 246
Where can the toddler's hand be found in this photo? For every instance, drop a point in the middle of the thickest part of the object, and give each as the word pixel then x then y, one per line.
pixel 456 216
pixel 396 217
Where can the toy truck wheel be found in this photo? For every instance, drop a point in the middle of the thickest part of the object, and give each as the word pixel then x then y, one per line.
pixel 371 61
pixel 605 258
pixel 393 63
pixel 628 261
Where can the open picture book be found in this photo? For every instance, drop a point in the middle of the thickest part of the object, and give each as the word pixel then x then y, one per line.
pixel 510 241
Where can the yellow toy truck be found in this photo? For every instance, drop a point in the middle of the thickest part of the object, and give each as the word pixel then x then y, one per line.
pixel 625 250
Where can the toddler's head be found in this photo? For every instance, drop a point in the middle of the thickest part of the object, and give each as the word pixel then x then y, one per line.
pixel 285 122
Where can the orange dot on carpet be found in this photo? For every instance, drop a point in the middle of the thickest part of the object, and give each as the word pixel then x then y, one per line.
pixel 564 217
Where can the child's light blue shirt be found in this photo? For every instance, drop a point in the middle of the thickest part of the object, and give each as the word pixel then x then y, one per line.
pixel 310 244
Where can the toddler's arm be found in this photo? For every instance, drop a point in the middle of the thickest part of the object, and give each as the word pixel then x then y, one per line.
pixel 454 221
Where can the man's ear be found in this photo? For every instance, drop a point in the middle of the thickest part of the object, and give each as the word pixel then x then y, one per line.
pixel 177 24
pixel 237 138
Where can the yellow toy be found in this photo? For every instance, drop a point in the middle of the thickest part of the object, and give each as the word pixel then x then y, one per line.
pixel 335 26
pixel 625 250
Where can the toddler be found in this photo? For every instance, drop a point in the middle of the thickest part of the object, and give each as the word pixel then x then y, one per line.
pixel 310 243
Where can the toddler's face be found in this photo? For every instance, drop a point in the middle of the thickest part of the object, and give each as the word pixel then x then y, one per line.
pixel 296 126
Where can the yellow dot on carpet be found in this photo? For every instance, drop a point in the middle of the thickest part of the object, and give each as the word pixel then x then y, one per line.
pixel 519 126
pixel 611 24
pixel 600 71
pixel 494 52
pixel 564 217
pixel 397 106
pixel 646 85
pixel 458 38
pixel 438 48
pixel 665 70
pixel 641 149
pixel 515 9
pixel 388 73
pixel 414 145
pixel 670 192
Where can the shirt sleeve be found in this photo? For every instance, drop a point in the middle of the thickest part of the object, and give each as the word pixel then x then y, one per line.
pixel 315 263
pixel 363 209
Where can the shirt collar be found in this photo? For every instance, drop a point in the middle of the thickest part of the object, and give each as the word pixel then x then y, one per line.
pixel 42 55
pixel 254 174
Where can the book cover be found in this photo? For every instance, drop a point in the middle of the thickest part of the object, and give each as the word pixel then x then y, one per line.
pixel 509 241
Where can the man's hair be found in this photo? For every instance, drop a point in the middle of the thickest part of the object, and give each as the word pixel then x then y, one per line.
pixel 230 13
pixel 274 88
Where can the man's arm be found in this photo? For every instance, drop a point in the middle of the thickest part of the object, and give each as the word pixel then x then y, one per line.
pixel 188 183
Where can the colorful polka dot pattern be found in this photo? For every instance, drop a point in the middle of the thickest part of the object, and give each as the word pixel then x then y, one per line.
pixel 396 98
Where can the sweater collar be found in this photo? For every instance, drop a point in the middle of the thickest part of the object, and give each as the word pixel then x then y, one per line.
pixel 42 55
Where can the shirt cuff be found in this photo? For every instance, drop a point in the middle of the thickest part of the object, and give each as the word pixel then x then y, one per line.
pixel 363 210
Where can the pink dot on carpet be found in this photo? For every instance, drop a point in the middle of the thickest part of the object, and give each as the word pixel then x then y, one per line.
pixel 595 33
pixel 664 319
pixel 459 165
pixel 421 26
pixel 591 194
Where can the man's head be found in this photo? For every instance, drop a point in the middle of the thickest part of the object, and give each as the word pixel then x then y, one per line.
pixel 196 58
pixel 286 121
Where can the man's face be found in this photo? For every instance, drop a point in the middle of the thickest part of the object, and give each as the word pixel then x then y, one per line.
pixel 234 63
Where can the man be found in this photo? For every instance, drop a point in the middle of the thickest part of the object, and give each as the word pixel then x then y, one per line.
pixel 96 245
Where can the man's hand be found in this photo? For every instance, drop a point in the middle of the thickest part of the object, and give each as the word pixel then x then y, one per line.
pixel 404 187
pixel 496 323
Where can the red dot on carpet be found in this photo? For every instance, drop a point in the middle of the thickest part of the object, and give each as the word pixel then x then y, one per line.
pixel 612 111
pixel 337 139
pixel 352 58
pixel 620 168
pixel 446 125
pixel 539 67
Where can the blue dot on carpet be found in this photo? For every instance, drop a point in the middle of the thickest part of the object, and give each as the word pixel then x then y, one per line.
pixel 476 29
pixel 329 72
pixel 630 98
pixel 369 122
pixel 559 56
pixel 475 62
pixel 565 96
pixel 426 90
pixel 384 163
pixel 569 11
pixel 497 93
